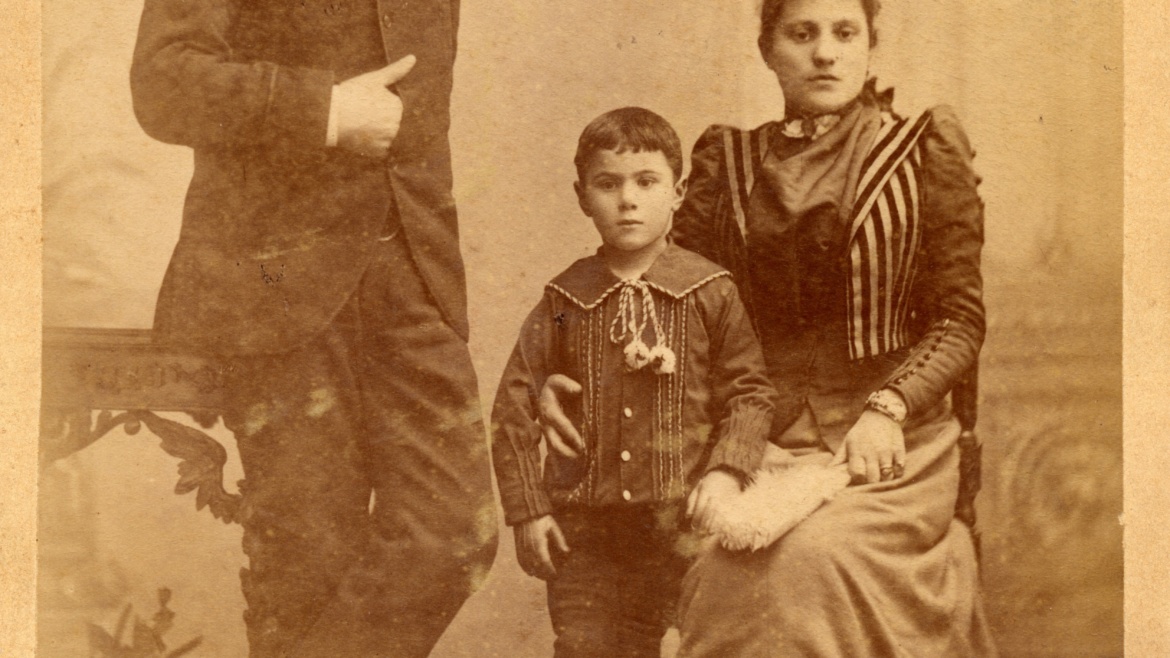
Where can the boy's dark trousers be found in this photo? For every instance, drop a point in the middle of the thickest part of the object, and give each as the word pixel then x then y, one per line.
pixel 615 592
pixel 383 402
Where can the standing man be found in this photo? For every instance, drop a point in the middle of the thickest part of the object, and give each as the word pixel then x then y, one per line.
pixel 319 255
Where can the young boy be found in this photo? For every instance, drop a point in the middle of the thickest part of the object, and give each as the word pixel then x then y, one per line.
pixel 674 401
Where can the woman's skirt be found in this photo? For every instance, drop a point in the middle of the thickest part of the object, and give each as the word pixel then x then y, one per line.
pixel 882 569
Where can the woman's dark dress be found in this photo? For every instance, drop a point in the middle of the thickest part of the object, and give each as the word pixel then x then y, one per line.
pixel 883 569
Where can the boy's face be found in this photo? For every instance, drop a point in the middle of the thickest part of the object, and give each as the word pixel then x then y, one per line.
pixel 631 198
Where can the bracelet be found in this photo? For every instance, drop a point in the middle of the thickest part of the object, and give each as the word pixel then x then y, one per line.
pixel 887 403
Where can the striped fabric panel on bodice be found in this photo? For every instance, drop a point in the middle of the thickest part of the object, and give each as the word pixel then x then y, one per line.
pixel 744 152
pixel 885 234
pixel 885 229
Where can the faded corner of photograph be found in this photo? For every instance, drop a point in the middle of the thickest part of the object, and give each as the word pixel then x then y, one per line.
pixel 182 434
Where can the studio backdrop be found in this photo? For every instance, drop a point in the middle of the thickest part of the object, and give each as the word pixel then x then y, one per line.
pixel 1037 85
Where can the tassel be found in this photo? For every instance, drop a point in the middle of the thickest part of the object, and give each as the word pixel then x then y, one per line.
pixel 663 359
pixel 637 353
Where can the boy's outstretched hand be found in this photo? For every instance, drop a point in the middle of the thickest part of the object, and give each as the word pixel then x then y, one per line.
pixel 712 492
pixel 532 546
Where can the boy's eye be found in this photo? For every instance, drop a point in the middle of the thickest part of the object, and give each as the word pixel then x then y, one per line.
pixel 846 33
pixel 606 185
pixel 647 182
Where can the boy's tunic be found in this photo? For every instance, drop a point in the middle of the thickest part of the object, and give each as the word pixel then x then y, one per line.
pixel 650 432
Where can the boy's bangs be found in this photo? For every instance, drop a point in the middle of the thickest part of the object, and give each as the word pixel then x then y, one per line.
pixel 630 129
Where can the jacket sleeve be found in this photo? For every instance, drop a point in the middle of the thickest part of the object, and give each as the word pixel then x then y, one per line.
pixel 948 296
pixel 188 89
pixel 742 395
pixel 456 7
pixel 695 223
pixel 516 431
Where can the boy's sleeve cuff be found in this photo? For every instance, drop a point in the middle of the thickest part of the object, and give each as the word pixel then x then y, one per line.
pixel 534 506
pixel 742 447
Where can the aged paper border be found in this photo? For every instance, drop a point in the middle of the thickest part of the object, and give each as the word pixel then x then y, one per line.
pixel 20 320
pixel 1146 293
pixel 1146 355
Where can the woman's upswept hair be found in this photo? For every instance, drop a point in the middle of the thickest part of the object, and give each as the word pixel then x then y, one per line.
pixel 629 129
pixel 773 9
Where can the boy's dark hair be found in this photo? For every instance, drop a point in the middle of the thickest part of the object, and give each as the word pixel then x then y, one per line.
pixel 772 9
pixel 629 129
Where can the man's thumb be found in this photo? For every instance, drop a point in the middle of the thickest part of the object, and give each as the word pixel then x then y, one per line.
pixel 392 73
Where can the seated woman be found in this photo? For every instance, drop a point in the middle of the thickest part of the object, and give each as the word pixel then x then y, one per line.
pixel 854 235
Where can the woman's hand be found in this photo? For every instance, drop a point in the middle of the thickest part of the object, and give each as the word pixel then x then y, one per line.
pixel 875 449
pixel 558 430
pixel 708 497
pixel 532 546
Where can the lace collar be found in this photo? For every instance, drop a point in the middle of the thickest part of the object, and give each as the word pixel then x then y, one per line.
pixel 677 272
pixel 813 127
pixel 809 127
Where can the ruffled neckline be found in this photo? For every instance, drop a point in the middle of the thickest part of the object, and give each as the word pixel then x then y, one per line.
pixel 815 127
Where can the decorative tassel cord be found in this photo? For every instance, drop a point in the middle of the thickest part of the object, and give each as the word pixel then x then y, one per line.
pixel 628 323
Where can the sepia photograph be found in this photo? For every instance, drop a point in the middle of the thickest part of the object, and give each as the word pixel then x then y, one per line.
pixel 406 328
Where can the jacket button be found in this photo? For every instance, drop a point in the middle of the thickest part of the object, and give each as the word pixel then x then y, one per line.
pixel 626 495
pixel 386 20
pixel 628 412
pixel 626 455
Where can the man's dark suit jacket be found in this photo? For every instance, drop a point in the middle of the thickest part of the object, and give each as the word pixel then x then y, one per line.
pixel 277 228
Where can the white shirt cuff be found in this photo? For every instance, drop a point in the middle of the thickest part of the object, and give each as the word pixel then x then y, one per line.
pixel 331 128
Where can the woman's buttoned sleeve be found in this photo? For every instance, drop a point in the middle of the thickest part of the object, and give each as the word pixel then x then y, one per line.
pixel 742 397
pixel 694 225
pixel 516 433
pixel 949 289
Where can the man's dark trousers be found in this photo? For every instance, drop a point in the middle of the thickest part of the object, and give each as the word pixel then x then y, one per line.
pixel 382 402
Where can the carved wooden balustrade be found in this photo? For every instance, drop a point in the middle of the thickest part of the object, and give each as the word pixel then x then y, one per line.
pixel 125 378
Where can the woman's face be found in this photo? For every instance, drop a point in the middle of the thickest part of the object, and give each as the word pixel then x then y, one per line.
pixel 820 54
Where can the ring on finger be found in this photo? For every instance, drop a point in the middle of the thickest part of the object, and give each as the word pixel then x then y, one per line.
pixel 887 472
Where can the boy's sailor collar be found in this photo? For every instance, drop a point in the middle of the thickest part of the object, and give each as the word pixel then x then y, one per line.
pixel 676 272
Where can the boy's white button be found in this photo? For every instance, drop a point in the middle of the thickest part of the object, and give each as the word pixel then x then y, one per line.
pixel 627 495
pixel 628 412
pixel 625 455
